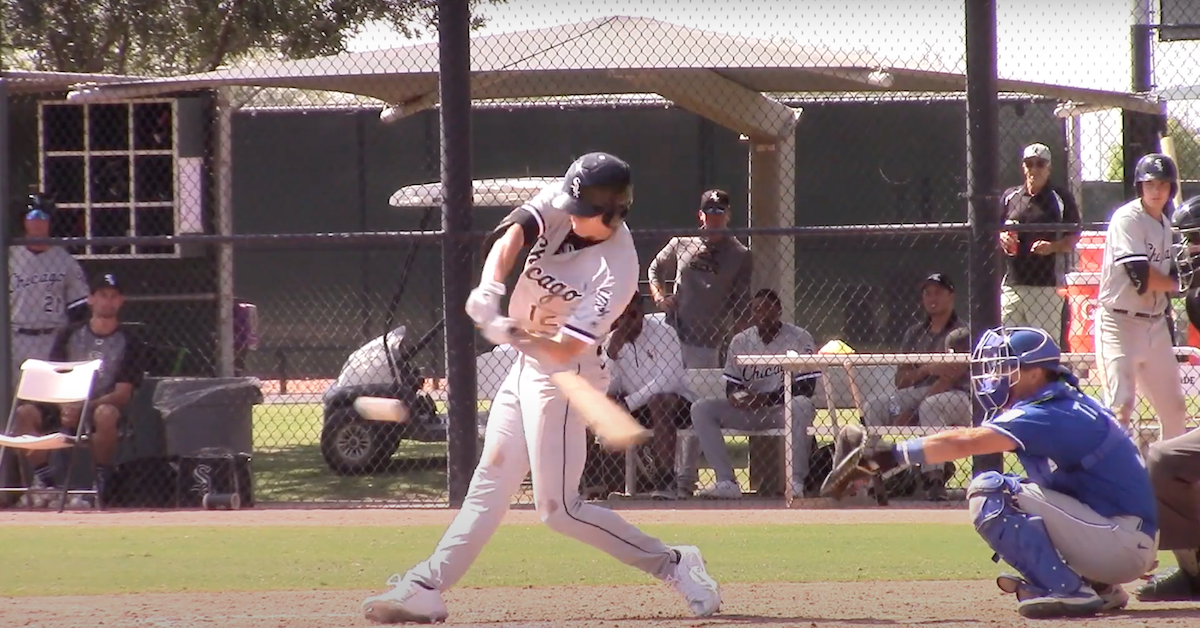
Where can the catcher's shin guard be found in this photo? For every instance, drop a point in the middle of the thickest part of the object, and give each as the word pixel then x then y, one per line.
pixel 1019 538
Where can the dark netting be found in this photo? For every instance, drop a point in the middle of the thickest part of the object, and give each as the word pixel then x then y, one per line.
pixel 803 183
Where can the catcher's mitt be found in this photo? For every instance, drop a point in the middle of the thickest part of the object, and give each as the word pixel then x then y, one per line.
pixel 854 459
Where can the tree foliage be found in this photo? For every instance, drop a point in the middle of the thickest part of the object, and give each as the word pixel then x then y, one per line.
pixel 1187 153
pixel 157 37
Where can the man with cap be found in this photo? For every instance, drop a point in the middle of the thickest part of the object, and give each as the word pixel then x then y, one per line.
pixel 46 289
pixel 712 276
pixel 932 395
pixel 1029 296
pixel 101 337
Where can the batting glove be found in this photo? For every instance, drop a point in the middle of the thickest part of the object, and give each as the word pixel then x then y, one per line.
pixel 501 330
pixel 483 304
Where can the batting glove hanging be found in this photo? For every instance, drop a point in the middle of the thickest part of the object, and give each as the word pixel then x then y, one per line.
pixel 483 304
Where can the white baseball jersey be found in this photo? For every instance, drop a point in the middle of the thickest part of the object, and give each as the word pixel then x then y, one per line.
pixel 762 378
pixel 43 286
pixel 569 284
pixel 1133 235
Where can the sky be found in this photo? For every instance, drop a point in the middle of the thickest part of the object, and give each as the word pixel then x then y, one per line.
pixel 1082 43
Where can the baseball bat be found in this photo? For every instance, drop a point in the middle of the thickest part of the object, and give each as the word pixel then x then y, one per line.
pixel 381 409
pixel 615 428
pixel 1168 149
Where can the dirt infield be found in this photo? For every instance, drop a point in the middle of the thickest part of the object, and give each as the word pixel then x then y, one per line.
pixel 944 604
pixel 812 605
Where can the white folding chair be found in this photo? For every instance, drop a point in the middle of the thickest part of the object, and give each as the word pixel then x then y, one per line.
pixel 53 383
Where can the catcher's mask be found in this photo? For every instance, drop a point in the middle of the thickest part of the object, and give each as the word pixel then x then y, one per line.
pixel 997 361
pixel 1185 252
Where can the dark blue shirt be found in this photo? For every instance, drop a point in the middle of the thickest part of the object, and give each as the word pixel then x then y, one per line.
pixel 1069 443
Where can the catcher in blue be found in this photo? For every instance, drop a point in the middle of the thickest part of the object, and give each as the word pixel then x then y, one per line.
pixel 1081 524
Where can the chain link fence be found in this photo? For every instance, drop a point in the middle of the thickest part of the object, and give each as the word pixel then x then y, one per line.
pixel 801 185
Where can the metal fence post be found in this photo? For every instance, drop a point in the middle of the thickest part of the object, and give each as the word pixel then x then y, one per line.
pixel 983 173
pixel 454 46
pixel 5 240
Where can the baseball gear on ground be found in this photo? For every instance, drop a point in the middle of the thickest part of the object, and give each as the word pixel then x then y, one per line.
pixel 598 170
pixel 1186 222
pixel 856 457
pixel 501 330
pixel 483 304
pixel 997 361
pixel 1018 538
pixel 1156 167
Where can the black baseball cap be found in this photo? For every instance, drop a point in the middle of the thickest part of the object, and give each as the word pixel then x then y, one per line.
pixel 106 280
pixel 714 201
pixel 939 279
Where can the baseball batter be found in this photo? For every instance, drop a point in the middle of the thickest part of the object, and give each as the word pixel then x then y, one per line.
pixel 1134 344
pixel 1082 523
pixel 46 287
pixel 580 273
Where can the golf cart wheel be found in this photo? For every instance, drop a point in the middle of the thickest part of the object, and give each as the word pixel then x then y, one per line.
pixel 352 446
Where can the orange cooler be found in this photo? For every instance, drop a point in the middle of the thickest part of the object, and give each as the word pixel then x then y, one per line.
pixel 1091 251
pixel 1082 290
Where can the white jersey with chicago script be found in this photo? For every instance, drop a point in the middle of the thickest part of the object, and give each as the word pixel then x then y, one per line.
pixel 42 286
pixel 1133 235
pixel 569 284
pixel 762 378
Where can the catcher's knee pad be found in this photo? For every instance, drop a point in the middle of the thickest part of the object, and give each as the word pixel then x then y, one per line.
pixel 1019 538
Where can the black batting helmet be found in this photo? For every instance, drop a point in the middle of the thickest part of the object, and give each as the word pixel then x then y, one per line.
pixel 1186 250
pixel 1156 167
pixel 598 170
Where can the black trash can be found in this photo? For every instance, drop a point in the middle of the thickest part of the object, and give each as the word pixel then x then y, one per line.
pixel 207 413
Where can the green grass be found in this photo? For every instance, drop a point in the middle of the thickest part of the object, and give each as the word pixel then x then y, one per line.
pixel 168 559
pixel 288 466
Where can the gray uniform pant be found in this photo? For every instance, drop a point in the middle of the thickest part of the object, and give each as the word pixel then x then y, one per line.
pixel 26 346
pixel 532 428
pixel 951 408
pixel 1033 306
pixel 1108 550
pixel 709 416
pixel 1174 467
pixel 1135 352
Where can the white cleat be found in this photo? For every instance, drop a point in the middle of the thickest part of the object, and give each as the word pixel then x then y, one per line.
pixel 406 601
pixel 692 581
pixel 721 490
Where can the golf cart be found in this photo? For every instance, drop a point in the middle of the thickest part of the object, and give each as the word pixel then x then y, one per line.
pixel 383 367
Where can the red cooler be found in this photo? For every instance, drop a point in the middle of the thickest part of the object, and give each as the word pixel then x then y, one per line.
pixel 1091 251
pixel 1081 290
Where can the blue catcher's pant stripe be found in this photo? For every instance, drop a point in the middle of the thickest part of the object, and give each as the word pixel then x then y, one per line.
pixel 1017 537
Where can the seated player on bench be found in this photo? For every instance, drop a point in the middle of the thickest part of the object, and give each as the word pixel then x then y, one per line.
pixel 101 336
pixel 1074 534
pixel 646 375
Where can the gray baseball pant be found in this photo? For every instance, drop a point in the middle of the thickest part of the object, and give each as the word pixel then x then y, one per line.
pixel 1134 353
pixel 710 416
pixel 531 427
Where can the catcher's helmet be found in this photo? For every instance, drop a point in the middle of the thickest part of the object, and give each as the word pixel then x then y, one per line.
pixel 1186 250
pixel 997 361
pixel 598 170
pixel 1156 167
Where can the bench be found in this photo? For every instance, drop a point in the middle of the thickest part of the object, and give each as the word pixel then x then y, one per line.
pixel 834 392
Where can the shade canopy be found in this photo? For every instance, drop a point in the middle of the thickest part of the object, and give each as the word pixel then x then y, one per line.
pixel 488 192
pixel 725 78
